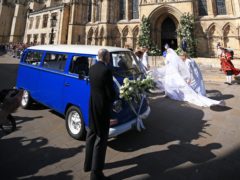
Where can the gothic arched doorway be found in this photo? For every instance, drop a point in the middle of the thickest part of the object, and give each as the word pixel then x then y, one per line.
pixel 168 33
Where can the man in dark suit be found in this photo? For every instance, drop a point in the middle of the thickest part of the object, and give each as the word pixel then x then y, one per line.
pixel 101 99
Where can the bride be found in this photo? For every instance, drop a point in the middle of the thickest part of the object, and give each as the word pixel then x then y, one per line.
pixel 175 79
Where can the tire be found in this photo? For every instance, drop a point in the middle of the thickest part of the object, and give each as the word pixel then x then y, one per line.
pixel 26 100
pixel 76 131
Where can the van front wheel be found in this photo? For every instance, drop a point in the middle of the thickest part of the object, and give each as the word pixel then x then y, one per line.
pixel 26 100
pixel 75 123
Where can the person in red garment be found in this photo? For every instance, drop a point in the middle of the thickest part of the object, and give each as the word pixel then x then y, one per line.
pixel 227 66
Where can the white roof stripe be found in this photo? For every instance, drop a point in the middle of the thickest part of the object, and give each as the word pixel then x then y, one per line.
pixel 81 49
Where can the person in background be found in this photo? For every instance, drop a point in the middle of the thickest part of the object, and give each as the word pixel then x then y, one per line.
pixel 145 61
pixel 219 50
pixel 184 44
pixel 166 47
pixel 139 55
pixel 228 67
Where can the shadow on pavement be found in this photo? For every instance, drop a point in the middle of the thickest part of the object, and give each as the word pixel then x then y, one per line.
pixel 19 120
pixel 8 75
pixel 217 95
pixel 21 157
pixel 220 108
pixel 156 165
pixel 225 168
pixel 172 121
pixel 169 121
pixel 59 176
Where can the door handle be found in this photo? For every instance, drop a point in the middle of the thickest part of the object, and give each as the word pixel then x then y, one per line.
pixel 66 84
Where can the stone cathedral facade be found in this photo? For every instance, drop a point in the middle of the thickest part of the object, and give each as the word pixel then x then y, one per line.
pixel 117 22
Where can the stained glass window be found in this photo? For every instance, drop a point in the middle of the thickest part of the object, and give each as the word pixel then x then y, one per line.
pixel 122 9
pixel 89 16
pixel 221 7
pixel 135 13
pixel 98 10
pixel 202 8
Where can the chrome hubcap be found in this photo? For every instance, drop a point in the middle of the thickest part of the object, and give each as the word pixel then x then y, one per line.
pixel 25 98
pixel 74 122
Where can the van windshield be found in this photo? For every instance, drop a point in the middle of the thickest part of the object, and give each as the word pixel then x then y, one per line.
pixel 124 63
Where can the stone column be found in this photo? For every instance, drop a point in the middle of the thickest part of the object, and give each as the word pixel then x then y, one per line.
pixel 128 10
pixel 229 7
pixel 93 11
pixel 236 8
pixel 104 11
pixel 18 23
pixel 211 7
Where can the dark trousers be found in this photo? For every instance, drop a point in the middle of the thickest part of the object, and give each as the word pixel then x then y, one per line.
pixel 96 146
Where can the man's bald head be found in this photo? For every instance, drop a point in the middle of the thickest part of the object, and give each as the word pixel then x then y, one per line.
pixel 104 55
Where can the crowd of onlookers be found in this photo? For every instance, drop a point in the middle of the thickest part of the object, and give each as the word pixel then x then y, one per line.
pixel 14 49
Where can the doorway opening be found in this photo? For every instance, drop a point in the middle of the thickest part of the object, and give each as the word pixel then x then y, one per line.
pixel 169 34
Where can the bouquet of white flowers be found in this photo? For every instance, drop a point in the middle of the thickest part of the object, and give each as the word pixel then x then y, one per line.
pixel 133 89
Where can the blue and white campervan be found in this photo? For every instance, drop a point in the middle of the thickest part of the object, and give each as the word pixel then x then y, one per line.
pixel 57 77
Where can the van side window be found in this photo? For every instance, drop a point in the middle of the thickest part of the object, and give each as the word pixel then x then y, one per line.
pixel 81 65
pixel 33 58
pixel 55 61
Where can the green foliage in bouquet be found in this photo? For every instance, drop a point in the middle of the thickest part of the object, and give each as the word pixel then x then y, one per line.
pixel 186 30
pixel 132 89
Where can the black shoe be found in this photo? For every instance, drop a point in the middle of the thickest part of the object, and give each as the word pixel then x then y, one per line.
pixel 98 175
pixel 86 169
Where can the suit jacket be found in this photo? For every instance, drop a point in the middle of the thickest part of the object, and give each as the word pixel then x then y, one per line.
pixel 102 96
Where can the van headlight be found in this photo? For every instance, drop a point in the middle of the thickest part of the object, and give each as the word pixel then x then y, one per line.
pixel 117 106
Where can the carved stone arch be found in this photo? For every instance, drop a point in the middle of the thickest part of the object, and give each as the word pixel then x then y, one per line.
pixel 101 36
pixel 116 37
pixel 214 35
pixel 96 35
pixel 163 10
pixel 229 35
pixel 213 30
pixel 229 29
pixel 135 33
pixel 90 36
pixel 161 17
pixel 125 32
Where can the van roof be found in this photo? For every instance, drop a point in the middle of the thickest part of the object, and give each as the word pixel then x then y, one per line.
pixel 83 49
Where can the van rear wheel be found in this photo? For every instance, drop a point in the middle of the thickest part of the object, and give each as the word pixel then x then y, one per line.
pixel 26 100
pixel 75 123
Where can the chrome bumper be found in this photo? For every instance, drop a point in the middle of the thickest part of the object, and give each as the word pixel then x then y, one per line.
pixel 115 131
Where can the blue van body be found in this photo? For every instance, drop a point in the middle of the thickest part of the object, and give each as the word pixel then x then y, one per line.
pixel 59 89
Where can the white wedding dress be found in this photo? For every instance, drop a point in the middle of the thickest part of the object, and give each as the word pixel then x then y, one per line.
pixel 173 77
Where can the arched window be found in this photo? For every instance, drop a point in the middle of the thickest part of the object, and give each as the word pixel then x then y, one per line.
pixel 89 15
pixel 221 7
pixel 135 13
pixel 98 10
pixel 202 8
pixel 122 9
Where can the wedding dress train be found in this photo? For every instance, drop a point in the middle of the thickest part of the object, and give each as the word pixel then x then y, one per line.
pixel 172 79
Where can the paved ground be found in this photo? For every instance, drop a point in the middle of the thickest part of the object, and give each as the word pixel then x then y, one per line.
pixel 181 141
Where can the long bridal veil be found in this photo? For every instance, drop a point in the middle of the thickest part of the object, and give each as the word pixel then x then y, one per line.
pixel 172 79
